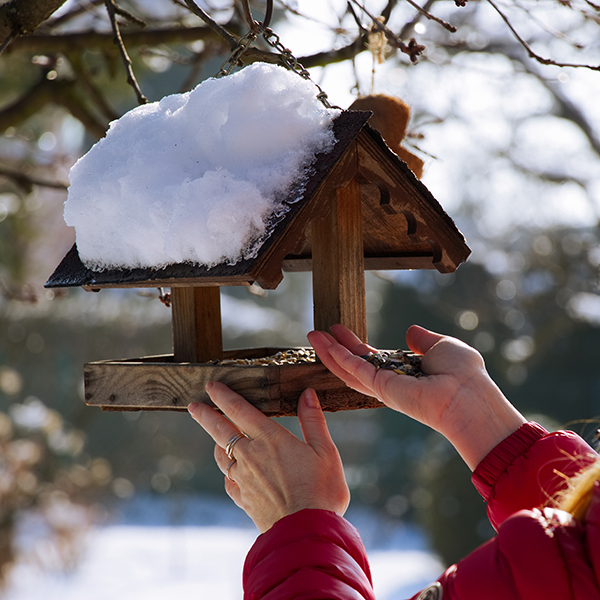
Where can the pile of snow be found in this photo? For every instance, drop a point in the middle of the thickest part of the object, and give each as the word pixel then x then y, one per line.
pixel 196 177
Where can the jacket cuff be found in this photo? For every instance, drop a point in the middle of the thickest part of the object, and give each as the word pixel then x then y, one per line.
pixel 496 462
pixel 304 543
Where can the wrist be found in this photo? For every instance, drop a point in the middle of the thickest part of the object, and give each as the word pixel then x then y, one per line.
pixel 486 418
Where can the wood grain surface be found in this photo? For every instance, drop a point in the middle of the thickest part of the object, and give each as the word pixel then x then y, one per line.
pixel 158 383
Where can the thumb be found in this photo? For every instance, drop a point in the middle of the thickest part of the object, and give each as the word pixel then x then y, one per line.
pixel 313 424
pixel 420 340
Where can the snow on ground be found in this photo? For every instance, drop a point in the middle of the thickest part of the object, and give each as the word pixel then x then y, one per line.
pixel 188 550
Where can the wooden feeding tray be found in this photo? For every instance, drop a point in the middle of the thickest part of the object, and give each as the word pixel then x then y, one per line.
pixel 162 384
pixel 361 208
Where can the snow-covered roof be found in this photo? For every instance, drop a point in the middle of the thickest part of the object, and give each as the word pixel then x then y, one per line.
pixel 404 227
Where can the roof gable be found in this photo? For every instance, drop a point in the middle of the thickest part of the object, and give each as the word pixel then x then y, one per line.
pixel 403 225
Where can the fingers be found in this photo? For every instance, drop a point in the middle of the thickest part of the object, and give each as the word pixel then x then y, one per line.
pixel 313 424
pixel 348 338
pixel 220 429
pixel 324 344
pixel 421 340
pixel 228 467
pixel 240 413
pixel 441 353
pixel 356 372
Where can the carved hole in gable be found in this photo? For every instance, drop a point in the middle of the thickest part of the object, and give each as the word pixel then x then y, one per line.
pixel 411 222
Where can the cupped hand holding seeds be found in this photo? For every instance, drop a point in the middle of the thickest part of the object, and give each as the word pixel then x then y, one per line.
pixel 457 397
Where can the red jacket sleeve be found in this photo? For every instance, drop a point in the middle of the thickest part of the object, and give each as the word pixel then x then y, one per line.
pixel 528 468
pixel 309 555
pixel 317 555
pixel 538 555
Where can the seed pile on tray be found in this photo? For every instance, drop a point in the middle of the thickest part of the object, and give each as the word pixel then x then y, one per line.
pixel 285 357
pixel 402 362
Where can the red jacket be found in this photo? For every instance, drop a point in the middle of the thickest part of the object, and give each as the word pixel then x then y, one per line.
pixel 538 554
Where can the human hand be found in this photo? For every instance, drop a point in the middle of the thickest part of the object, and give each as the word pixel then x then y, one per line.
pixel 457 397
pixel 273 473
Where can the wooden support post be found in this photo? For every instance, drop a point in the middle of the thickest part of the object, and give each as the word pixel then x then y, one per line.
pixel 197 333
pixel 338 264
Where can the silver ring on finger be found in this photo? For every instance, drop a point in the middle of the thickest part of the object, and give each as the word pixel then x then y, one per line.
pixel 231 443
pixel 227 471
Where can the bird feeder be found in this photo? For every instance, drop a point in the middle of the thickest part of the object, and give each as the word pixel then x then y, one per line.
pixel 361 208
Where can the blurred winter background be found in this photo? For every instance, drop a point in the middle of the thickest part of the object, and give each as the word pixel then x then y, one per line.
pixel 132 504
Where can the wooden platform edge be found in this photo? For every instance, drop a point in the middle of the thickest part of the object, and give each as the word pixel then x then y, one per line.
pixel 151 384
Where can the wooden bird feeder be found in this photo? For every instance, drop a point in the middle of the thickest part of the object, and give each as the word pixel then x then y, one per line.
pixel 361 208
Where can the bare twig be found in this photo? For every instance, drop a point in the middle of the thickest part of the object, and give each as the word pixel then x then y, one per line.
pixel 451 28
pixel 58 91
pixel 548 28
pixel 34 99
pixel 412 48
pixel 7 40
pixel 356 18
pixel 72 14
pixel 87 81
pixel 112 10
pixel 221 31
pixel 129 16
pixel 431 17
pixel 73 101
pixel 329 57
pixel 529 49
pixel 408 28
pixel 386 13
pixel 196 64
pixel 568 109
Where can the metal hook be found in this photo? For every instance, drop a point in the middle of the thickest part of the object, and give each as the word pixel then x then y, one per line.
pixel 255 25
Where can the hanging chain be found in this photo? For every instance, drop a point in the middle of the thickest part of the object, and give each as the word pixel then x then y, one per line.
pixel 285 55
pixel 237 53
pixel 291 62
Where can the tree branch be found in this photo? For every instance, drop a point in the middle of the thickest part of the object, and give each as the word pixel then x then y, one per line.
pixel 87 82
pixel 112 10
pixel 534 55
pixel 30 103
pixel 21 17
pixel 428 15
pixel 127 15
pixel 218 29
pixel 329 57
pixel 73 102
pixel 409 26
pixel 26 182
pixel 85 40
pixel 61 92
pixel 567 109
pixel 72 14
pixel 7 40
pixel 386 13
pixel 412 48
